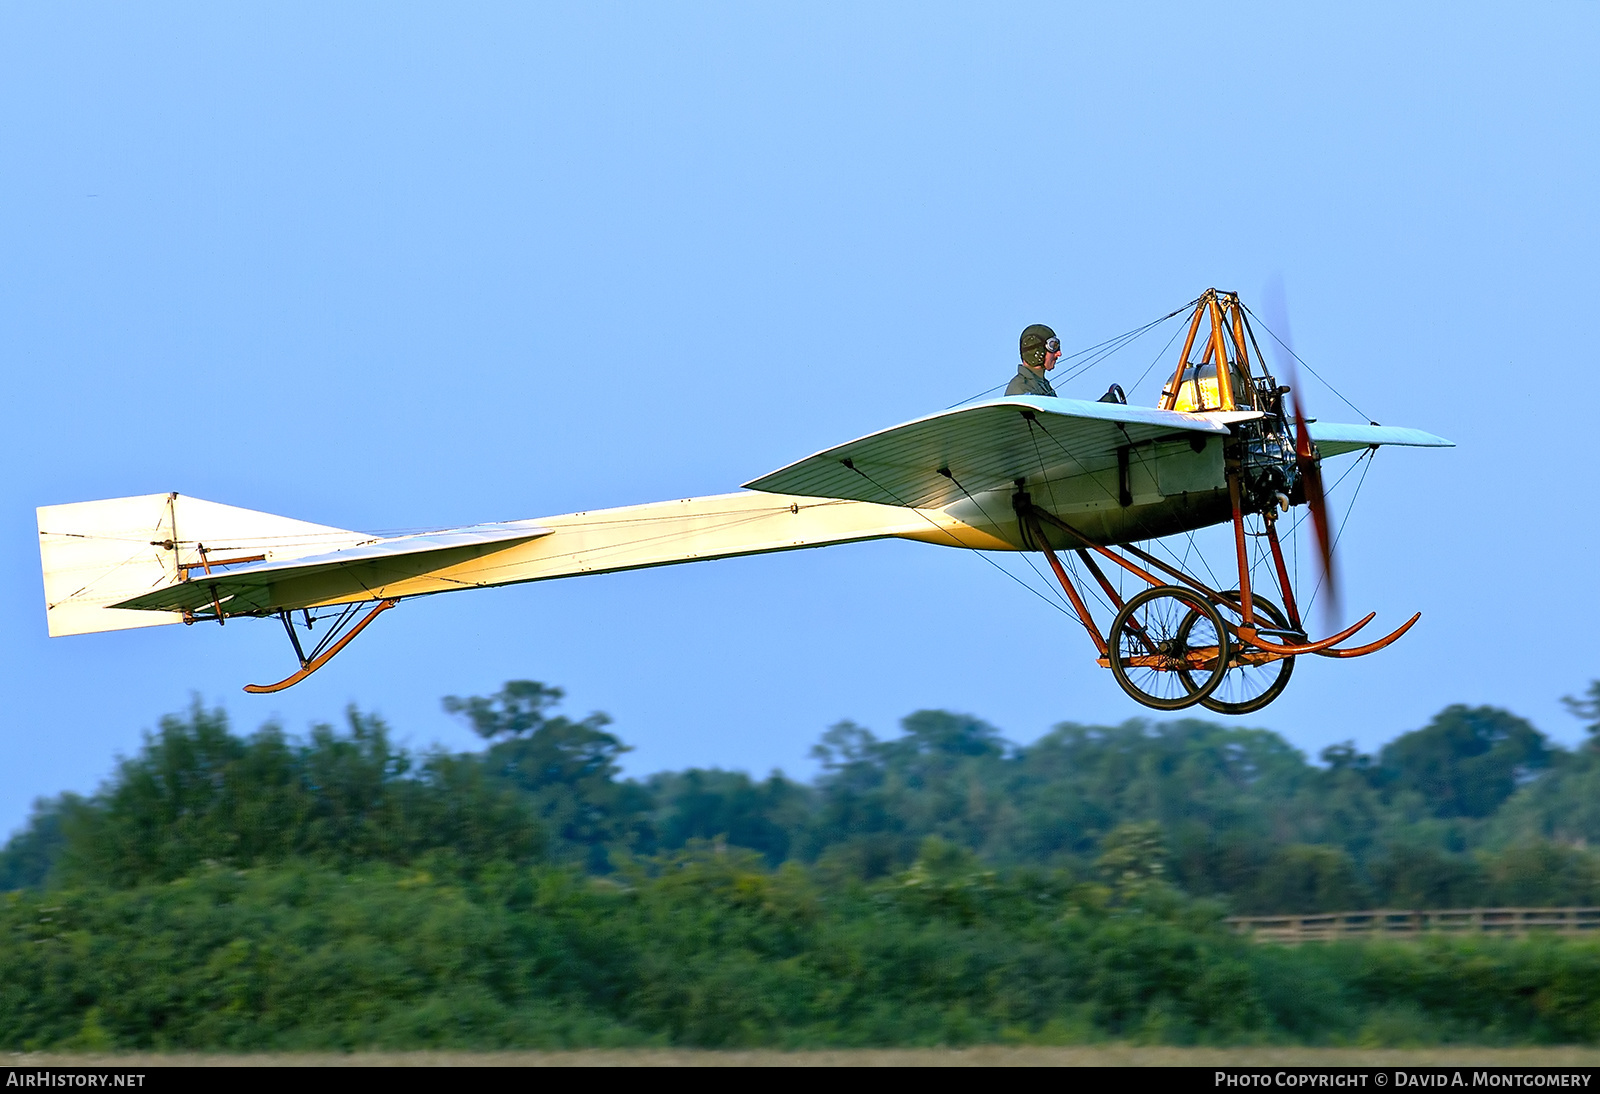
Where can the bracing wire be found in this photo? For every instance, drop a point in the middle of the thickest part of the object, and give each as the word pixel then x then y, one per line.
pixel 1300 518
pixel 1337 536
pixel 957 540
pixel 1156 359
pixel 993 522
pixel 1090 356
pixel 1290 351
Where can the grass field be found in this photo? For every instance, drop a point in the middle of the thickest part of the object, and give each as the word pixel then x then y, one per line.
pixel 984 1056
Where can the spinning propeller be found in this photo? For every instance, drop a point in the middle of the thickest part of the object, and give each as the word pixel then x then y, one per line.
pixel 1305 456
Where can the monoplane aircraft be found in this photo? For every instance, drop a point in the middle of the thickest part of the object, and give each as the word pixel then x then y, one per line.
pixel 1082 483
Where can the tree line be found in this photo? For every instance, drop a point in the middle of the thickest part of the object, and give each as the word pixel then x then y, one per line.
pixel 1477 807
pixel 226 891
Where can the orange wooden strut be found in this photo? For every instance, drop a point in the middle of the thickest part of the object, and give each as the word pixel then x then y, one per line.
pixel 1224 374
pixel 1169 397
pixel 1066 583
pixel 1283 572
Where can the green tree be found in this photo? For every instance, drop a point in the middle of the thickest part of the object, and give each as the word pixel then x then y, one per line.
pixel 1223 796
pixel 519 708
pixel 1542 874
pixel 194 793
pixel 877 799
pixel 356 787
pixel 197 794
pixel 1562 806
pixel 30 856
pixel 1408 875
pixel 1133 857
pixel 1467 761
pixel 1345 807
pixel 1586 708
pixel 1307 878
pixel 707 805
pixel 567 768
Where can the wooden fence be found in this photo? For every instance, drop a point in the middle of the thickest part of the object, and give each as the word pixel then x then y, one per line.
pixel 1348 926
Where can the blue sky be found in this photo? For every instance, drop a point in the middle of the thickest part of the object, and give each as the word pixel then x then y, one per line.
pixel 395 266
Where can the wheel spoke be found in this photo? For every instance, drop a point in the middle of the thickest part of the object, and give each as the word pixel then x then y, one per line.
pixel 1253 679
pixel 1158 653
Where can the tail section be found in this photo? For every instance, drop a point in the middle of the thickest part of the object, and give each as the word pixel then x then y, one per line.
pixel 97 553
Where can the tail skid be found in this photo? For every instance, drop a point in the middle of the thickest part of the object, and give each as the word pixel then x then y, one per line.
pixel 337 639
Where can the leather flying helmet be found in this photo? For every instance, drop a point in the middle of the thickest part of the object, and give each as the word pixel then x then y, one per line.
pixel 1037 340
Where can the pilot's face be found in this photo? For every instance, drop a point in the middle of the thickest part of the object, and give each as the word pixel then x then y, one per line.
pixel 1050 359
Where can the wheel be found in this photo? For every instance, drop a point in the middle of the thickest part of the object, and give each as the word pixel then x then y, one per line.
pixel 1168 648
pixel 1249 685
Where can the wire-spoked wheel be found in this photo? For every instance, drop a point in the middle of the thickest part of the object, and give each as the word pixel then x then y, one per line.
pixel 1254 678
pixel 1168 648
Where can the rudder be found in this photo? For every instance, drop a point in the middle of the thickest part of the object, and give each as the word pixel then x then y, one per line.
pixel 98 553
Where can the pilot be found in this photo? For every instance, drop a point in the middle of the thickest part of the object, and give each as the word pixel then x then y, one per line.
pixel 1041 349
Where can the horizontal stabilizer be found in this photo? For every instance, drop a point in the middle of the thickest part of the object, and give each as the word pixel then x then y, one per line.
pixel 254 587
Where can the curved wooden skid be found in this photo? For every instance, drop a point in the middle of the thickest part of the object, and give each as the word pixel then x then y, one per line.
pixel 322 659
pixel 1254 639
pixel 1372 647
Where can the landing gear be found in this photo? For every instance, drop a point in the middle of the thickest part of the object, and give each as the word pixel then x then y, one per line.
pixel 1168 648
pixel 1254 677
pixel 1180 645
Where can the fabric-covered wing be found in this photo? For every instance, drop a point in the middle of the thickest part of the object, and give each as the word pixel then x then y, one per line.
pixel 248 588
pixel 983 447
pixel 1337 438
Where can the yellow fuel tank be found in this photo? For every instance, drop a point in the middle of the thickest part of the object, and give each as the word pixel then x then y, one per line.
pixel 1200 389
